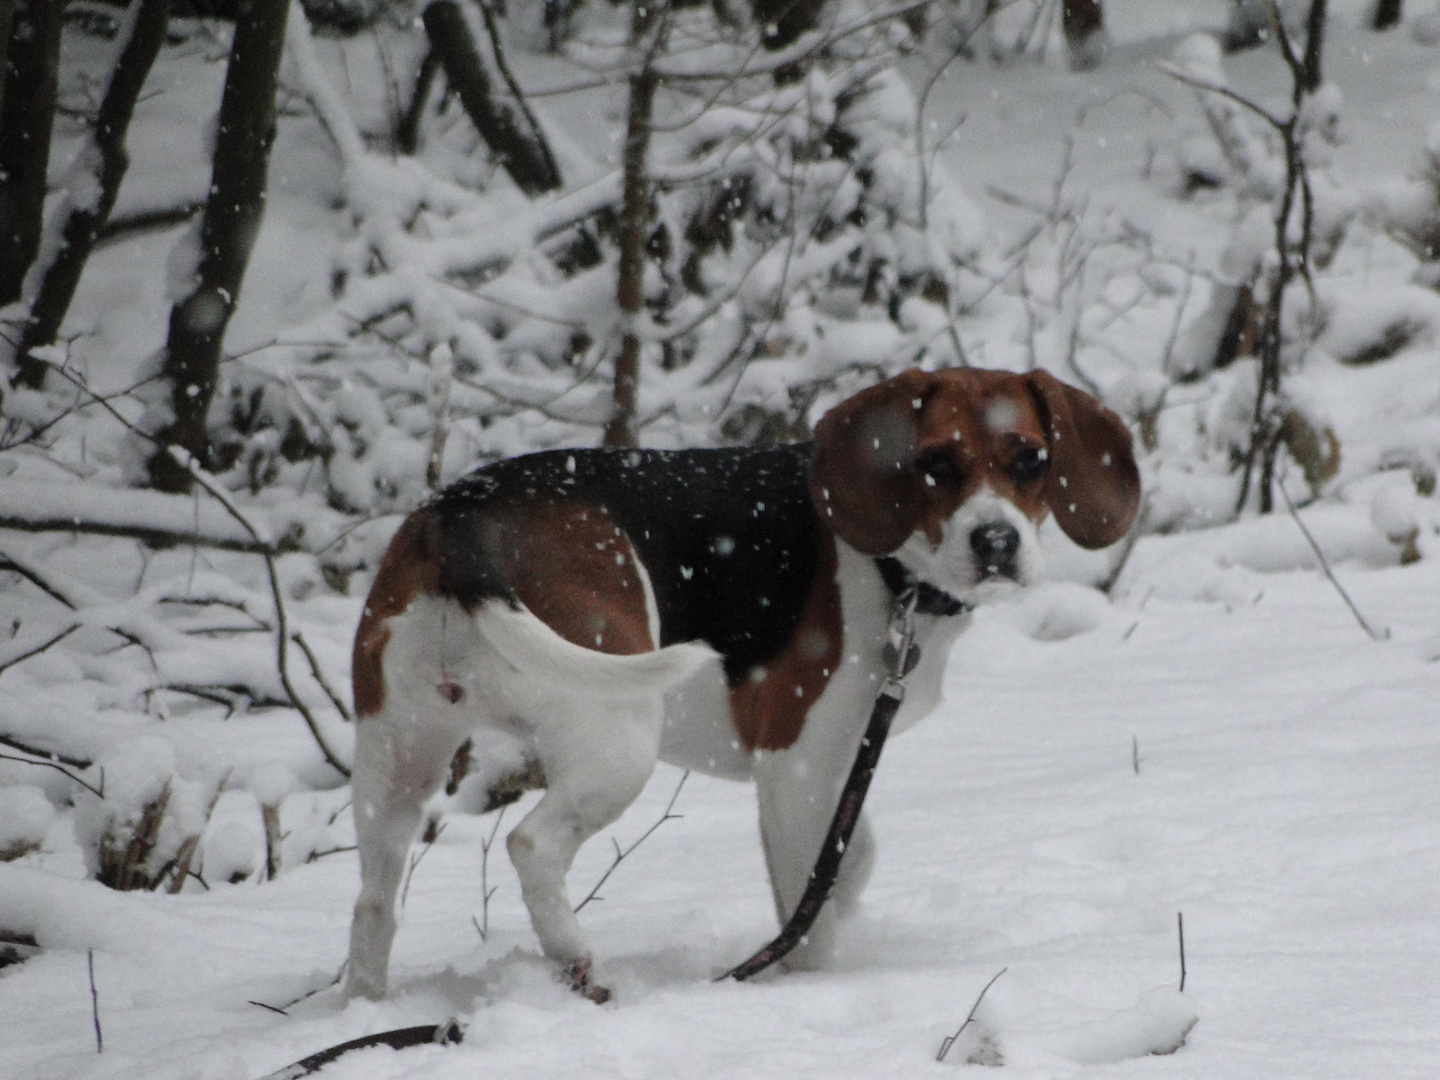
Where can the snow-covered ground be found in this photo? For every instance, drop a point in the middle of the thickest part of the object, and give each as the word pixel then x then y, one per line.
pixel 1284 802
pixel 1218 738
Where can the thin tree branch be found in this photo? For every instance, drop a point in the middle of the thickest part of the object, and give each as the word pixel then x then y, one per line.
pixel 99 792
pixel 620 855
pixel 282 631
pixel 949 1040
pixel 1375 635
pixel 335 699
pixel 37 650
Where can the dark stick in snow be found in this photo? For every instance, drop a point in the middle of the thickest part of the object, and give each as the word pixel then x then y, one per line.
pixel 1375 635
pixel 95 1002
pixel 950 1039
pixel 1180 926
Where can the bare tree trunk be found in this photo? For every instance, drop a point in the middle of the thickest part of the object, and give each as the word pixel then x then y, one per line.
pixel 32 74
pixel 526 157
pixel 233 214
pixel 621 430
pixel 107 159
pixel 1387 13
pixel 1314 46
pixel 407 134
pixel 1083 23
pixel 7 12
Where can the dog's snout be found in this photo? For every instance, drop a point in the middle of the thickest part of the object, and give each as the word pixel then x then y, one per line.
pixel 996 544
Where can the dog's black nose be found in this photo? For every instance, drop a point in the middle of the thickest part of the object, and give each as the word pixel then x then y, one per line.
pixel 996 544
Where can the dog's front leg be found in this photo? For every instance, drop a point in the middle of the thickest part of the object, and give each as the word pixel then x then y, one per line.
pixel 798 790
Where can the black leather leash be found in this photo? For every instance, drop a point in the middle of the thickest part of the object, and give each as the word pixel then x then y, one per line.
pixel 911 597
pixel 451 1031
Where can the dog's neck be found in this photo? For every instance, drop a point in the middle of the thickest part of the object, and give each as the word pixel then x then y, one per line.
pixel 930 599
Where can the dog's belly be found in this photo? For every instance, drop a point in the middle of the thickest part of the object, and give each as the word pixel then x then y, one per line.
pixel 699 733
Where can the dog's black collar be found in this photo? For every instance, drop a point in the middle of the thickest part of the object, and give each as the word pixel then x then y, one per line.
pixel 931 599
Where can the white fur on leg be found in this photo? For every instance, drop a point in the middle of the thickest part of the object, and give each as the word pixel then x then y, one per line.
pixel 592 719
pixel 393 777
pixel 598 758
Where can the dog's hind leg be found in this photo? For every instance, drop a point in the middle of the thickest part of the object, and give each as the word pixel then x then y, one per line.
pixel 597 760
pixel 395 772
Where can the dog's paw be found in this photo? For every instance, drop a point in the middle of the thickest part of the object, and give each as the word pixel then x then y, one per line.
pixel 581 981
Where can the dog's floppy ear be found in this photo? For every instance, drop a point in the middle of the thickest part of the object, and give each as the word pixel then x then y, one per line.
pixel 862 477
pixel 1093 486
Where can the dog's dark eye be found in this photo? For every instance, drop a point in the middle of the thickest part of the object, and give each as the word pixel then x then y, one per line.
pixel 1029 464
pixel 938 467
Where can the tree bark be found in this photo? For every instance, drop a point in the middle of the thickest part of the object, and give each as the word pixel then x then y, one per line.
pixel 7 12
pixel 621 430
pixel 107 161
pixel 32 74
pixel 232 219
pixel 1387 13
pixel 526 157
pixel 1314 46
pixel 407 134
pixel 1083 24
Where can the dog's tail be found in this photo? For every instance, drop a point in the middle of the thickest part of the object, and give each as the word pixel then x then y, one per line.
pixel 526 643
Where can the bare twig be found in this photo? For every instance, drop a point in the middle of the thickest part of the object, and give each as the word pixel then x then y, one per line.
pixel 620 855
pixel 38 649
pixel 950 1039
pixel 282 630
pixel 332 851
pixel 432 833
pixel 1382 634
pixel 1127 548
pixel 283 1010
pixel 99 792
pixel 95 1002
pixel 482 924
pixel 335 698
pixel 49 755
pixel 1180 926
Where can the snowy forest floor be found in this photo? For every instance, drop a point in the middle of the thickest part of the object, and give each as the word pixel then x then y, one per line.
pixel 1284 801
pixel 1220 739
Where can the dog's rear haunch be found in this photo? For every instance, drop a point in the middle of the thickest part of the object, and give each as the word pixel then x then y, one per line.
pixel 723 610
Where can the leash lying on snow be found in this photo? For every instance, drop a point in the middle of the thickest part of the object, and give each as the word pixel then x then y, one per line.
pixel 451 1031
pixel 901 656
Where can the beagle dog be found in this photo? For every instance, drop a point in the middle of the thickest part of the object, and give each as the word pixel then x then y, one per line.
pixel 724 610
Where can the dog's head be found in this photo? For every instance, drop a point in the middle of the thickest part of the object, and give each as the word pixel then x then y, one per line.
pixel 954 471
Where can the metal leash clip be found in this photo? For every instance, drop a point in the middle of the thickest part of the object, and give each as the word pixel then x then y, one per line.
pixel 901 642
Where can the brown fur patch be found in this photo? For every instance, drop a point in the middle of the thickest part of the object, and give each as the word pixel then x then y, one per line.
pixel 770 706
pixel 410 567
pixel 574 568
